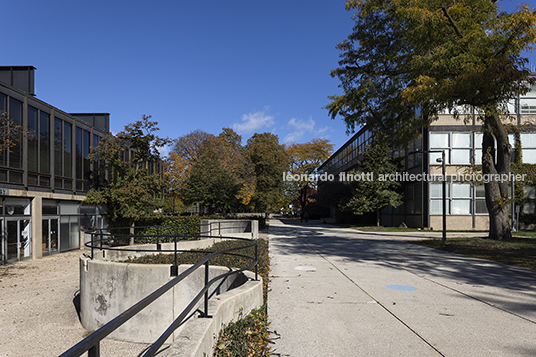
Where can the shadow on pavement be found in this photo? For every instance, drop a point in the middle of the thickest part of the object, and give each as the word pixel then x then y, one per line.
pixel 434 265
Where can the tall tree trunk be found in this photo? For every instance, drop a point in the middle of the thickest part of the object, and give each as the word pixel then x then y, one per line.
pixel 377 218
pixel 303 197
pixel 496 162
pixel 132 225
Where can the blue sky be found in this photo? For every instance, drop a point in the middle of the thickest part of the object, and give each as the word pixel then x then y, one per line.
pixel 254 65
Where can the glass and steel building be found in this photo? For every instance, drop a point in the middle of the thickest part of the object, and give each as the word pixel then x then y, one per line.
pixel 462 143
pixel 44 170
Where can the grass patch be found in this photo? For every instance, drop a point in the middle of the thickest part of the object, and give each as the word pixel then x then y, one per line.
pixel 401 229
pixel 379 228
pixel 517 251
pixel 528 234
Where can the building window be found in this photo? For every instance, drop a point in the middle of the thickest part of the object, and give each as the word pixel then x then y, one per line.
pixel 478 146
pixel 413 198
pixel 15 153
pixel 78 154
pixel 67 151
pixel 33 142
pixel 82 152
pixel 528 105
pixel 461 148
pixel 44 143
pixel 85 154
pixel 528 144
pixel 436 198
pixel 410 200
pixel 457 203
pixel 58 150
pixel 530 206
pixel 461 198
pixel 417 193
pixel 413 157
pixel 439 142
pixel 480 200
pixel 63 153
pixel 3 158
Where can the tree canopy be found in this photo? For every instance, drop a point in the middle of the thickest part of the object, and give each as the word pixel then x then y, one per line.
pixel 405 58
pixel 201 165
pixel 130 181
pixel 407 61
pixel 210 183
pixel 372 193
pixel 270 161
pixel 305 158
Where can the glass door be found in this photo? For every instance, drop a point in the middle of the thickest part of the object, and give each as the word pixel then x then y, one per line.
pixel 50 235
pixel 18 240
pixel 54 233
pixel 12 241
pixel 45 242
pixel 3 257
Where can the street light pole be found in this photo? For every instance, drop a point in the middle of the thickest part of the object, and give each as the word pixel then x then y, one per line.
pixel 443 172
pixel 444 181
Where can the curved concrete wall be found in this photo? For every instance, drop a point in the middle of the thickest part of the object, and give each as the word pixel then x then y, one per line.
pixel 230 227
pixel 198 337
pixel 109 288
pixel 120 254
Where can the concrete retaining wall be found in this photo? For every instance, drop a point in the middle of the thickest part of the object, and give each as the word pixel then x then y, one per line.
pixel 198 337
pixel 108 288
pixel 119 253
pixel 230 227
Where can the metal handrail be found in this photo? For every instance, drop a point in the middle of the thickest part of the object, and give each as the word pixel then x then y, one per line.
pixel 91 344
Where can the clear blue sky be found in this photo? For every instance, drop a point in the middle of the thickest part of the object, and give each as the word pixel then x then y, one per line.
pixel 250 65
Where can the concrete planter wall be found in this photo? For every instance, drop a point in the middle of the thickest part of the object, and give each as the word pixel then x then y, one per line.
pixel 108 288
pixel 120 254
pixel 230 228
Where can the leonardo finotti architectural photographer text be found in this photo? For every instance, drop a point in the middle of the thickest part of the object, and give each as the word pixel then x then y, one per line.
pixel 402 177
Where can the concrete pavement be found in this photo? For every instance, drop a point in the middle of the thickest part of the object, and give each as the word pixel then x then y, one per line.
pixel 340 292
pixel 38 309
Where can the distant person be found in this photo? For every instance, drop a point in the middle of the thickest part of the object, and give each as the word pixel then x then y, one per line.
pixel 306 216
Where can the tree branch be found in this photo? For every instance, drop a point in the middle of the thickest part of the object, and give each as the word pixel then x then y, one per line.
pixel 452 23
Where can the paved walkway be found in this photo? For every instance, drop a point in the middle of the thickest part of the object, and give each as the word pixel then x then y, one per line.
pixel 38 314
pixel 340 292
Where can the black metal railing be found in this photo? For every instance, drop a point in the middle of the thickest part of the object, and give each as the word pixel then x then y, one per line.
pixel 107 240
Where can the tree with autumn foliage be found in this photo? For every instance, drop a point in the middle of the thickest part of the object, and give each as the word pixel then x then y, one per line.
pixel 238 164
pixel 221 178
pixel 209 183
pixel 176 174
pixel 270 160
pixel 212 170
pixel 131 181
pixel 184 152
pixel 407 61
pixel 304 160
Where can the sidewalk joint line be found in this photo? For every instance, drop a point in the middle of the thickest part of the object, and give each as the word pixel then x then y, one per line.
pixel 379 303
pixel 462 293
